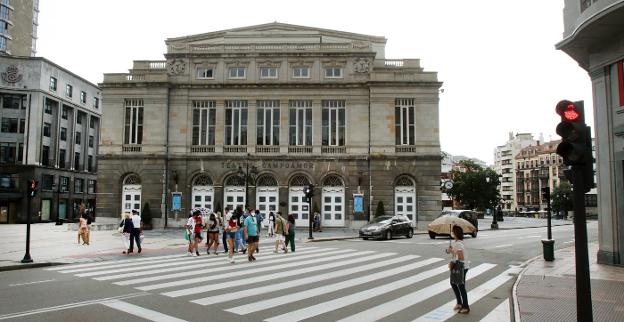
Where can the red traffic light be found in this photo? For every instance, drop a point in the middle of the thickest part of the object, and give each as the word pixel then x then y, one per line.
pixel 33 184
pixel 568 111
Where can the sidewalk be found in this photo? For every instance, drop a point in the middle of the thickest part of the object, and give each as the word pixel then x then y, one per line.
pixel 546 291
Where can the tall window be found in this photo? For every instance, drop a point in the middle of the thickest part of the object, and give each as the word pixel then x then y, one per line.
pixel 133 128
pixel 91 139
pixel 78 138
pixel 7 152
pixel 63 184
pixel 78 185
pixel 83 97
pixel 404 121
pixel 235 122
pixel 300 122
pixel 96 102
pixel 63 134
pixel 69 90
pixel 52 84
pixel 45 155
pixel 333 123
pixel 47 129
pixel 204 122
pixel 62 158
pixel 90 163
pixel 268 122
pixel 77 161
pixel 10 125
pixel 64 113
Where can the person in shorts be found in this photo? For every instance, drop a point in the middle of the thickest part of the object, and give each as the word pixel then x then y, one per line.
pixel 280 228
pixel 251 234
pixel 230 229
pixel 190 227
pixel 197 231
pixel 213 225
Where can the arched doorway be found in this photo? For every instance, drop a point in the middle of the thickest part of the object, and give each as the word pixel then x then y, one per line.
pixel 234 192
pixel 405 198
pixel 267 195
pixel 131 193
pixel 333 214
pixel 203 193
pixel 297 206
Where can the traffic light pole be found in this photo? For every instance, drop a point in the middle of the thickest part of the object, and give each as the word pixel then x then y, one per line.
pixel 583 284
pixel 310 218
pixel 27 258
pixel 548 220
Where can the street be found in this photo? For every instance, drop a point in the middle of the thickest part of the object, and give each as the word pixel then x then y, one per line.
pixel 348 280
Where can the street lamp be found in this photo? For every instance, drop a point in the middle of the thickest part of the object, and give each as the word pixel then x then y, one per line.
pixel 494 224
pixel 248 175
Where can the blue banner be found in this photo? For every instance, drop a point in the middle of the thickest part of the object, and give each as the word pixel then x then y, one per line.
pixel 176 201
pixel 358 201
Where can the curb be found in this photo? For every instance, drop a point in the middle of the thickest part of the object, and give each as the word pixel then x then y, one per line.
pixel 524 227
pixel 27 266
pixel 516 304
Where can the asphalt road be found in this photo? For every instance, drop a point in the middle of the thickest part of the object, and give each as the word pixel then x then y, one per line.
pixel 349 280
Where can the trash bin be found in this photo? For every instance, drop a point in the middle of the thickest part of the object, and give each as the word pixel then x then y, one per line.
pixel 549 249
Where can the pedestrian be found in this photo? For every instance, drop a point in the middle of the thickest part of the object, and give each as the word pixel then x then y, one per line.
pixel 460 258
pixel 317 222
pixel 213 226
pixel 197 231
pixel 238 217
pixel 290 237
pixel 89 218
pixel 190 228
pixel 259 220
pixel 231 227
pixel 251 234
pixel 280 228
pixel 226 213
pixel 126 230
pixel 271 228
pixel 83 230
pixel 136 231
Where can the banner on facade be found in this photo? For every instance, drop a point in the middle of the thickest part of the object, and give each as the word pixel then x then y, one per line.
pixel 358 203
pixel 176 201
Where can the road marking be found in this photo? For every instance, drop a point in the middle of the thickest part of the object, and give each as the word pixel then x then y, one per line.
pixel 29 283
pixel 531 236
pixel 121 261
pixel 446 311
pixel 311 253
pixel 141 311
pixel 385 309
pixel 500 313
pixel 108 265
pixel 504 245
pixel 568 242
pixel 298 282
pixel 293 297
pixel 432 243
pixel 69 306
pixel 260 279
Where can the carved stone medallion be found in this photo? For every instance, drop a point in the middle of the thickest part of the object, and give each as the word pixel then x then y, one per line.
pixel 362 65
pixel 176 66
pixel 11 75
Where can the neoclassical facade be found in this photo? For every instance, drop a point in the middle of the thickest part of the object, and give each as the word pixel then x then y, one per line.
pixel 249 116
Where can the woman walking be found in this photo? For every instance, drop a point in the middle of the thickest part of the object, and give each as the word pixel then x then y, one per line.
pixel 83 230
pixel 290 237
pixel 214 225
pixel 280 231
pixel 230 228
pixel 271 228
pixel 197 233
pixel 460 261
pixel 126 229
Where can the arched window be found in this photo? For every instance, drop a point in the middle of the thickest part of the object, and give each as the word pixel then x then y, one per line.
pixel 299 181
pixel 202 180
pixel 266 180
pixel 332 181
pixel 235 180
pixel 132 179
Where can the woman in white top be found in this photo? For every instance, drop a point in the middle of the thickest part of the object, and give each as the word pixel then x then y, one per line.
pixel 459 254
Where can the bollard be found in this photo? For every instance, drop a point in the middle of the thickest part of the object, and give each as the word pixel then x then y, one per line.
pixel 548 246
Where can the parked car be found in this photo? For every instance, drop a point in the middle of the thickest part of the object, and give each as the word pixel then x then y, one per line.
pixel 387 227
pixel 468 215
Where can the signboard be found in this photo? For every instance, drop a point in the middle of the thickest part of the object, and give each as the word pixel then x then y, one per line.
pixel 176 201
pixel 358 203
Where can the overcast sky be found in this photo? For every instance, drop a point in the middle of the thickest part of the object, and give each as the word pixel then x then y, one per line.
pixel 497 59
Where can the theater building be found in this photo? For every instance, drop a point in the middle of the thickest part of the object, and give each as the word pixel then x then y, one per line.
pixel 249 116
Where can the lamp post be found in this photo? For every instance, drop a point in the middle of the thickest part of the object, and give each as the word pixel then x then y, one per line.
pixel 494 224
pixel 248 175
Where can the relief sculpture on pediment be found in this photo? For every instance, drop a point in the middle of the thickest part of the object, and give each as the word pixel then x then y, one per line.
pixel 176 66
pixel 362 65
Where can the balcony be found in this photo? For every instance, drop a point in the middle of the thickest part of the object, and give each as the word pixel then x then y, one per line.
pixel 202 149
pixel 235 149
pixel 130 148
pixel 333 149
pixel 405 149
pixel 267 149
pixel 296 149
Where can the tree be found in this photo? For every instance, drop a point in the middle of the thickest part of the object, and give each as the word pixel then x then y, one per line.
pixel 561 198
pixel 471 187
pixel 380 209
pixel 146 216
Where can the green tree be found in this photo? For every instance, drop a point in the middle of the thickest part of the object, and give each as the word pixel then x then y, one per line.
pixel 561 198
pixel 475 187
pixel 380 209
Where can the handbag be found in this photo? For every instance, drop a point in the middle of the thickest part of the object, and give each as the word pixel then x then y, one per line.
pixel 457 272
pixel 120 230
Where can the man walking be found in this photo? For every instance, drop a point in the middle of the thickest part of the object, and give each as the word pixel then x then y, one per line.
pixel 251 234
pixel 135 235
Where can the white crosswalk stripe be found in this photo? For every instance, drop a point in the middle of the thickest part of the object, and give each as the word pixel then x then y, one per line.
pixel 316 280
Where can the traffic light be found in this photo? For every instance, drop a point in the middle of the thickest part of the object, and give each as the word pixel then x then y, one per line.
pixel 32 187
pixel 308 191
pixel 576 144
pixel 546 193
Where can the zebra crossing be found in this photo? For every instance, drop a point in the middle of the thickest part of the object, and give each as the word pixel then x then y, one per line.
pixel 305 285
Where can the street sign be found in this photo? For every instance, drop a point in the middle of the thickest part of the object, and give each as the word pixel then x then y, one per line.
pixel 176 201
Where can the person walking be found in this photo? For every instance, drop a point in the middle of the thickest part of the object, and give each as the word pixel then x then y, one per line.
pixel 238 217
pixel 226 213
pixel 213 225
pixel 197 231
pixel 280 228
pixel 126 230
pixel 135 235
pixel 231 227
pixel 271 228
pixel 251 234
pixel 259 220
pixel 290 237
pixel 190 228
pixel 83 230
pixel 460 258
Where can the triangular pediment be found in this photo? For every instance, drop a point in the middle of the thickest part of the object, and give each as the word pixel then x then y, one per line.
pixel 274 32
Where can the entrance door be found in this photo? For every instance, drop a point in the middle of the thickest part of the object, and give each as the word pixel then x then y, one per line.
pixel 233 197
pixel 298 207
pixel 267 200
pixel 131 197
pixel 203 197
pixel 333 207
pixel 405 202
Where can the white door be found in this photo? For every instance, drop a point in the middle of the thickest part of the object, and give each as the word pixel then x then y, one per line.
pixel 203 197
pixel 405 202
pixel 131 197
pixel 333 214
pixel 234 197
pixel 298 207
pixel 267 200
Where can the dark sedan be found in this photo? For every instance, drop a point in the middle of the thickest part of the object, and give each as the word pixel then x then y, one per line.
pixel 387 227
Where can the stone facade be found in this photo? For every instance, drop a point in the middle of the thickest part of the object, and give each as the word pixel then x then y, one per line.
pixel 282 105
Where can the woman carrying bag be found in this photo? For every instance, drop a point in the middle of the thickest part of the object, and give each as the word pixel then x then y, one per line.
pixel 125 228
pixel 459 267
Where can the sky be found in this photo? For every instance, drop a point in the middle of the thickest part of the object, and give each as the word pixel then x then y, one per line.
pixel 497 59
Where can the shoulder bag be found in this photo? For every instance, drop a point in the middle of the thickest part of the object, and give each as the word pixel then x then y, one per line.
pixel 457 272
